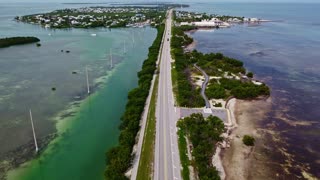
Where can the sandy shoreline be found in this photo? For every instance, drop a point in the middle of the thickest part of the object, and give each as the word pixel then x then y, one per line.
pixel 191 46
pixel 241 162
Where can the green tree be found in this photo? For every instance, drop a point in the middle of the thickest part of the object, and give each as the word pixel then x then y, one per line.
pixel 203 134
pixel 215 91
pixel 219 56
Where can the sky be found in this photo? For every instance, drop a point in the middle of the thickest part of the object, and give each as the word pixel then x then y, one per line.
pixel 177 1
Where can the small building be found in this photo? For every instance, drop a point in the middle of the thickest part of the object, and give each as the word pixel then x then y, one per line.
pixel 205 23
pixel 184 23
pixel 254 20
pixel 256 83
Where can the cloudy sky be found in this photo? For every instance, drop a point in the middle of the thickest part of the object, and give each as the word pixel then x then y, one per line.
pixel 133 1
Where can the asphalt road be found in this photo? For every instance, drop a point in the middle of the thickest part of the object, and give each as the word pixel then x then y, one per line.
pixel 167 161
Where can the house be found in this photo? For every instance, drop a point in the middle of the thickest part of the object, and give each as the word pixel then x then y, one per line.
pixel 205 23
pixel 74 22
pixel 235 20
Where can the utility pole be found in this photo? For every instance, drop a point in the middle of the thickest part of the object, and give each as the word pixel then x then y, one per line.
pixel 111 63
pixel 88 87
pixel 34 133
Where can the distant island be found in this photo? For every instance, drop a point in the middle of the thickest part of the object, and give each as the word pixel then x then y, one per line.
pixel 204 20
pixel 91 17
pixel 6 42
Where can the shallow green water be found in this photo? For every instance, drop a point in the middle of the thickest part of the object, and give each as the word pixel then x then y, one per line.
pixel 79 151
pixel 86 128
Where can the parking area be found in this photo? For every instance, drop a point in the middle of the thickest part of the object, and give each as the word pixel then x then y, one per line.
pixel 221 113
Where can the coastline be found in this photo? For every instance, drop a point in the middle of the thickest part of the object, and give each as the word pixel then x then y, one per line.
pixel 191 46
pixel 238 159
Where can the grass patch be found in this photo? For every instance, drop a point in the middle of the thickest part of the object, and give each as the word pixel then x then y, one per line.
pixel 147 152
pixel 185 162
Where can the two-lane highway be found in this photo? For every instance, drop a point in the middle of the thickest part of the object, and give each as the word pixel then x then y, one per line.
pixel 167 160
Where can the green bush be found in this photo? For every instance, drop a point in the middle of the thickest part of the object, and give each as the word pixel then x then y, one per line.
pixel 248 140
pixel 244 90
pixel 250 74
pixel 215 91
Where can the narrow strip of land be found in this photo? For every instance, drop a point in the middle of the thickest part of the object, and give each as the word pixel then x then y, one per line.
pixel 142 166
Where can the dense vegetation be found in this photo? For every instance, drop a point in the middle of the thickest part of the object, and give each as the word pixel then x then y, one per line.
pixel 217 64
pixel 203 135
pixel 187 28
pixel 6 42
pixel 224 88
pixel 112 17
pixel 183 152
pixel 248 140
pixel 119 158
pixel 188 94
pixel 220 66
pixel 215 91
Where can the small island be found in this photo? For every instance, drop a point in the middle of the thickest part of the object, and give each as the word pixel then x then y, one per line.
pixel 6 42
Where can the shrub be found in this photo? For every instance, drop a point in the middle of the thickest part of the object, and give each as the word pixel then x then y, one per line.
pixel 250 74
pixel 218 105
pixel 248 140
